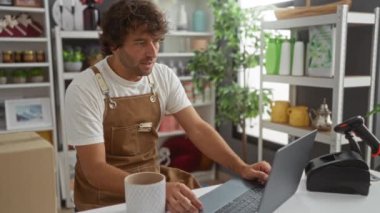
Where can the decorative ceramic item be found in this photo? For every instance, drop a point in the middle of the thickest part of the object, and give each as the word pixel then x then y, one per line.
pixel 73 66
pixel 91 15
pixel 298 116
pixel 321 119
pixel 182 18
pixel 285 58
pixel 199 21
pixel 279 112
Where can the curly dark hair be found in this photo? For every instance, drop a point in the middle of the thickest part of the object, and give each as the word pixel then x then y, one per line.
pixel 124 17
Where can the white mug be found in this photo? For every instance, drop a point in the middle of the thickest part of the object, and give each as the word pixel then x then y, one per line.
pixel 145 192
pixel 298 59
pixel 284 68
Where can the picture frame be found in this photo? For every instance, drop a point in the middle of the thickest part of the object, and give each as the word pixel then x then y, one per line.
pixel 27 113
pixel 320 51
pixel 28 3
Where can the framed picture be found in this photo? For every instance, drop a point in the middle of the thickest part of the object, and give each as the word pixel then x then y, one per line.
pixel 28 3
pixel 27 113
pixel 320 51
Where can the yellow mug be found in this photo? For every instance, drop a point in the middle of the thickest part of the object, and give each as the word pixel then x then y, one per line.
pixel 299 116
pixel 280 111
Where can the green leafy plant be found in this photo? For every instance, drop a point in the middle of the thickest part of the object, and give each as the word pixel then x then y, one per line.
pixel 3 73
pixel 36 72
pixel 375 110
pixel 225 58
pixel 73 55
pixel 19 74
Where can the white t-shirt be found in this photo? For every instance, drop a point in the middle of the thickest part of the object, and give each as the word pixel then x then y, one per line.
pixel 84 101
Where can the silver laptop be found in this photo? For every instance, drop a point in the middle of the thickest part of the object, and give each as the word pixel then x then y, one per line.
pixel 241 196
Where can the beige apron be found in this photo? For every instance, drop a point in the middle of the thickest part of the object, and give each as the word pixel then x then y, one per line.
pixel 130 135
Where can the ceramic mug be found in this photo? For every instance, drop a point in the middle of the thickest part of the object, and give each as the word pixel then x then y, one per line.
pixel 299 116
pixel 145 192
pixel 280 111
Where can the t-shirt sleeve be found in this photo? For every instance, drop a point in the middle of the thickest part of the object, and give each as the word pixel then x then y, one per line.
pixel 83 121
pixel 177 98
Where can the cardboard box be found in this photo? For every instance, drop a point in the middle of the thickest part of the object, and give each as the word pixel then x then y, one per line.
pixel 27 174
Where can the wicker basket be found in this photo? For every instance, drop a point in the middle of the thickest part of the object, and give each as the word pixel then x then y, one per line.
pixel 308 10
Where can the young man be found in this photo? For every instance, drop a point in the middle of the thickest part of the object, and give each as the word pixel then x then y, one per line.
pixel 113 110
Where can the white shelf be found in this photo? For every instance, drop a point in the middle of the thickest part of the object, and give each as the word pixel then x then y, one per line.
pixel 23 39
pixel 349 81
pixel 23 65
pixel 186 54
pixel 171 133
pixel 25 85
pixel 48 128
pixel 324 137
pixel 95 34
pixel 352 18
pixel 189 34
pixel 22 9
pixel 80 34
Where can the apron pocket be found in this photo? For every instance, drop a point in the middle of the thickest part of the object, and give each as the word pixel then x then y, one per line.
pixel 127 141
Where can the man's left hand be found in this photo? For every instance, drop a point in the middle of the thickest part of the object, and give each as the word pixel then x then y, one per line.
pixel 258 171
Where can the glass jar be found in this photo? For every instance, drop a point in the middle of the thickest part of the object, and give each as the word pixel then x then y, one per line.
pixel 17 56
pixel 40 56
pixel 29 56
pixel 8 56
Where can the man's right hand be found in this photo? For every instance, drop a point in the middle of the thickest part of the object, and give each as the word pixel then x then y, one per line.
pixel 179 198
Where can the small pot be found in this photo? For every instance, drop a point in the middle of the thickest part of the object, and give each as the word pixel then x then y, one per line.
pixel 37 79
pixel 19 80
pixel 3 80
pixel 73 66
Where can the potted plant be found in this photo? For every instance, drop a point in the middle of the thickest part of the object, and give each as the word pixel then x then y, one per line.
pixel 225 58
pixel 3 77
pixel 73 59
pixel 36 75
pixel 18 76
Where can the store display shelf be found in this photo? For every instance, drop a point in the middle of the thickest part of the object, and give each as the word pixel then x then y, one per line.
pixel 352 18
pixel 80 34
pixel 25 85
pixel 23 65
pixel 95 34
pixel 323 137
pixel 189 34
pixel 35 129
pixel 23 39
pixel 22 9
pixel 184 54
pixel 349 81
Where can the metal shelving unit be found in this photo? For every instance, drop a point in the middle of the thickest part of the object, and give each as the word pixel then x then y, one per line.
pixel 338 83
pixel 29 89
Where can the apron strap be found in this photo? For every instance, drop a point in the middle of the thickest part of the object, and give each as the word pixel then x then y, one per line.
pixel 153 97
pixel 105 89
pixel 103 86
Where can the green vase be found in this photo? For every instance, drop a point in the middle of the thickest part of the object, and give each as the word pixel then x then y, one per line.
pixel 272 56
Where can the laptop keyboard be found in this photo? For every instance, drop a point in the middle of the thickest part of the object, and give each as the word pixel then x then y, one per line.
pixel 248 202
